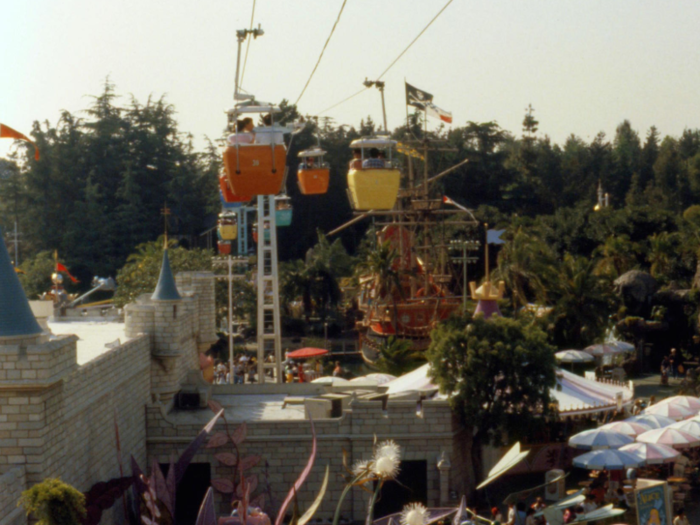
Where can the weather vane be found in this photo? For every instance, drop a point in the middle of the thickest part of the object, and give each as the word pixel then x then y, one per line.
pixel 165 212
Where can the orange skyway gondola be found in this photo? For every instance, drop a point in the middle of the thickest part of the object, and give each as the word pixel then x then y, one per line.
pixel 313 173
pixel 228 194
pixel 256 168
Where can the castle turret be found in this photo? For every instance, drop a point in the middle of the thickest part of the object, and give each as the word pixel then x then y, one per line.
pixel 16 318
pixel 166 289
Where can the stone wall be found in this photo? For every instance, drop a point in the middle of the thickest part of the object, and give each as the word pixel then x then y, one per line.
pixel 12 483
pixel 286 445
pixel 179 330
pixel 61 424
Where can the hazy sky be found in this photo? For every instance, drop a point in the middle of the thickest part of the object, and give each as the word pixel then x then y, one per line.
pixel 584 65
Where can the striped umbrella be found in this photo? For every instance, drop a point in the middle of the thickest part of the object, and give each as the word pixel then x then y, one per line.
pixel 693 403
pixel 670 410
pixel 608 460
pixel 627 428
pixel 652 454
pixel 651 420
pixel 602 349
pixel 669 436
pixel 599 438
pixel 691 426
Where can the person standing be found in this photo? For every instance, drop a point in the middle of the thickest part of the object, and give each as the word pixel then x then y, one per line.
pixel 681 518
pixel 337 371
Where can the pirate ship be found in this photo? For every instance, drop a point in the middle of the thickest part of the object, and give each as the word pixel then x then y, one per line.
pixel 410 281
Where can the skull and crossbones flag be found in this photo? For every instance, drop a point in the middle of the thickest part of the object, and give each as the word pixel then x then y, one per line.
pixel 424 101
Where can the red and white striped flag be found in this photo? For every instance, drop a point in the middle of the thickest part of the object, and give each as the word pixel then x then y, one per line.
pixel 433 111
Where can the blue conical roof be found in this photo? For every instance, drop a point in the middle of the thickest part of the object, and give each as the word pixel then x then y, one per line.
pixel 166 289
pixel 16 317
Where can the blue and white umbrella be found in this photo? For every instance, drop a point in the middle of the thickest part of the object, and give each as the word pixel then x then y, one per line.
pixel 608 460
pixel 599 438
pixel 652 420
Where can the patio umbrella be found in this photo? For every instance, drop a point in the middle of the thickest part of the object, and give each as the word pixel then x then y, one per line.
pixel 599 438
pixel 691 426
pixel 306 353
pixel 652 454
pixel 331 381
pixel 670 410
pixel 669 436
pixel 693 403
pixel 602 349
pixel 380 379
pixel 627 428
pixel 622 346
pixel 607 460
pixel 573 356
pixel 651 420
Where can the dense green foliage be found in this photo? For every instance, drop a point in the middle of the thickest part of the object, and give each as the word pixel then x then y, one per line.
pixel 53 502
pixel 498 374
pixel 97 192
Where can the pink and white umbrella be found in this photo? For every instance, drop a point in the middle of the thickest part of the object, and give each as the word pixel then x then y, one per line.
pixel 651 420
pixel 627 428
pixel 674 411
pixel 691 426
pixel 669 436
pixel 652 454
pixel 693 403
pixel 602 349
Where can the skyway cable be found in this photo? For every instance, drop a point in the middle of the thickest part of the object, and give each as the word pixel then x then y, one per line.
pixel 247 44
pixel 322 51
pixel 395 60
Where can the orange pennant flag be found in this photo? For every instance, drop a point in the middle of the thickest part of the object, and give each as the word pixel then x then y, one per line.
pixel 6 132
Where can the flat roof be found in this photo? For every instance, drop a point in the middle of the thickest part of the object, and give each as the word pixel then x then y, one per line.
pixel 245 407
pixel 93 335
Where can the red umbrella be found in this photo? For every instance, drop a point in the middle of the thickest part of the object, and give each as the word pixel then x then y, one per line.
pixel 306 353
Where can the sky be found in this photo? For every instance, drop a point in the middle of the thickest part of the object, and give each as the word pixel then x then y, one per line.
pixel 584 65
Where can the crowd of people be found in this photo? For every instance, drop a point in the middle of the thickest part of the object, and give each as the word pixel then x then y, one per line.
pixel 244 371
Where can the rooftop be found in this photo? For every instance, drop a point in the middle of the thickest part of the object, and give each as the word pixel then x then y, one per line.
pixel 93 336
pixel 245 407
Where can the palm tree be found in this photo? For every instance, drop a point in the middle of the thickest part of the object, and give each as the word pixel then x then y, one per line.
pixel 295 283
pixel 582 304
pixel 397 357
pixel 523 265
pixel 618 255
pixel 661 254
pixel 381 264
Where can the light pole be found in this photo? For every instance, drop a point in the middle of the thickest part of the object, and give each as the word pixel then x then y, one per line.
pixel 230 262
pixel 380 86
pixel 465 246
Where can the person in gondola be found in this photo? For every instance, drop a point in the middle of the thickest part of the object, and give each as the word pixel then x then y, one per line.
pixel 264 135
pixel 244 134
pixel 308 163
pixel 356 162
pixel 373 162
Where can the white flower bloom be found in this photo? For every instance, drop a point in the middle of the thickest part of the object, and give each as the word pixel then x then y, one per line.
pixel 388 449
pixel 361 466
pixel 414 514
pixel 386 467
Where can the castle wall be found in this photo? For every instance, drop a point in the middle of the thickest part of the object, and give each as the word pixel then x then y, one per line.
pixel 286 445
pixel 12 483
